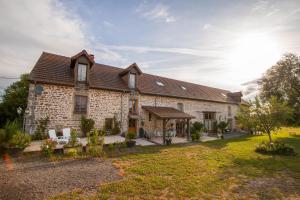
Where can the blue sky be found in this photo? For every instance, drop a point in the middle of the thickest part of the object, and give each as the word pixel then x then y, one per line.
pixel 216 43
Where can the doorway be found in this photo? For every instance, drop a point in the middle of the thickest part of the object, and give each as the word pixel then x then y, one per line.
pixel 132 124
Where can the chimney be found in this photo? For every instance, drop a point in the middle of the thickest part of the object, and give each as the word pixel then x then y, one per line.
pixel 92 57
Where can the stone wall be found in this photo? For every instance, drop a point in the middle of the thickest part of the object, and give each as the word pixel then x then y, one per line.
pixel 57 102
pixel 192 107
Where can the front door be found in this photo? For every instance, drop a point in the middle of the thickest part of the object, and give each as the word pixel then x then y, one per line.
pixel 132 125
pixel 180 127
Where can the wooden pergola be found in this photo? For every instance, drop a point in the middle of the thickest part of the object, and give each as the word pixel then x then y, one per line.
pixel 168 113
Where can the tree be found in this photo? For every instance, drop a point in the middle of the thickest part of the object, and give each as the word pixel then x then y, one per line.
pixel 246 119
pixel 15 96
pixel 269 115
pixel 283 81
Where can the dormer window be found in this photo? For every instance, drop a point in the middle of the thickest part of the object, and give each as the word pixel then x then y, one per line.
pixel 81 76
pixel 131 82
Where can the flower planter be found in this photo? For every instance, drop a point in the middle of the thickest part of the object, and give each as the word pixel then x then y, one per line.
pixel 130 143
pixel 67 150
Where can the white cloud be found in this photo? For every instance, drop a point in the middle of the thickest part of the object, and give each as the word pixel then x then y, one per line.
pixel 206 26
pixel 159 12
pixel 29 27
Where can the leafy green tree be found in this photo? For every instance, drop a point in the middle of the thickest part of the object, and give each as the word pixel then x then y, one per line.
pixel 283 81
pixel 15 96
pixel 269 115
pixel 246 119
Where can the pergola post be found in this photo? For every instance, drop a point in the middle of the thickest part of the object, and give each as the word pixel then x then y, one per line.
pixel 164 130
pixel 188 135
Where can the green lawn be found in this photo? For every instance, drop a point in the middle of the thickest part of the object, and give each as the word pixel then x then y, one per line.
pixel 228 169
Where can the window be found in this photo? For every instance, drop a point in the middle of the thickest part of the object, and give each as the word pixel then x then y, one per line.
pixel 80 104
pixel 133 106
pixel 160 83
pixel 81 75
pixel 180 106
pixel 182 87
pixel 132 81
pixel 229 111
pixel 150 117
pixel 108 124
pixel 209 115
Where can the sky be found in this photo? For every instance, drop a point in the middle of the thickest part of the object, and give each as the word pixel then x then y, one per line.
pixel 218 43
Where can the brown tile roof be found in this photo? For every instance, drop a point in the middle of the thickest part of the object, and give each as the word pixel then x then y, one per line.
pixel 55 69
pixel 167 112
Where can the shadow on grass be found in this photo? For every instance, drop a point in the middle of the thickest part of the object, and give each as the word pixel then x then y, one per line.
pixel 219 144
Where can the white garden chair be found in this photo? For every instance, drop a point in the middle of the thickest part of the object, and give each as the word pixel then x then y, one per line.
pixel 53 137
pixel 67 134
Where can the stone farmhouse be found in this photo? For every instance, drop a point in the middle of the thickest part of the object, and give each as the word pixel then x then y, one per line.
pixel 64 89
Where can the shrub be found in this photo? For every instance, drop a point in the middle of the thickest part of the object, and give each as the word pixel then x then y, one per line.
pixel 41 129
pixel 95 143
pixel 19 140
pixel 116 129
pixel 111 147
pixel 10 129
pixel 72 153
pixel 278 148
pixel 222 125
pixel 48 147
pixel 130 135
pixel 86 125
pixel 73 142
pixel 196 130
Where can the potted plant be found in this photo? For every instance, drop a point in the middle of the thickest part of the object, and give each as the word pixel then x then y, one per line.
pixel 222 125
pixel 12 139
pixel 18 142
pixel 129 139
pixel 196 131
pixel 48 147
pixel 168 138
pixel 73 146
pixel 86 125
pixel 95 143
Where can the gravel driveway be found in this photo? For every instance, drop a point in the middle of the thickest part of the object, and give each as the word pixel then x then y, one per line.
pixel 37 179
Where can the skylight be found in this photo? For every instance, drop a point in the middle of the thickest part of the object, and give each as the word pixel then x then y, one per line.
pixel 160 83
pixel 182 87
pixel 223 94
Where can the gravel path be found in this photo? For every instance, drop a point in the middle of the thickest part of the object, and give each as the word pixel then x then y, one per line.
pixel 37 179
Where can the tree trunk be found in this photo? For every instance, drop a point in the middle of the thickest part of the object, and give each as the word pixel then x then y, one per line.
pixel 270 138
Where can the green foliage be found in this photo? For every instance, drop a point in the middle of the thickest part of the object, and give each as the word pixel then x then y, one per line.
pixel 6 134
pixel 222 125
pixel 95 150
pixel 41 129
pixel 282 81
pixel 86 125
pixel 73 141
pixel 94 138
pixel 19 140
pixel 278 148
pixel 95 143
pixel 111 147
pixel 268 116
pixel 130 135
pixel 196 130
pixel 15 96
pixel 116 128
pixel 48 147
pixel 72 153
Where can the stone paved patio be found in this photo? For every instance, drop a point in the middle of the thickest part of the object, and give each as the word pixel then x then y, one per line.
pixel 36 145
